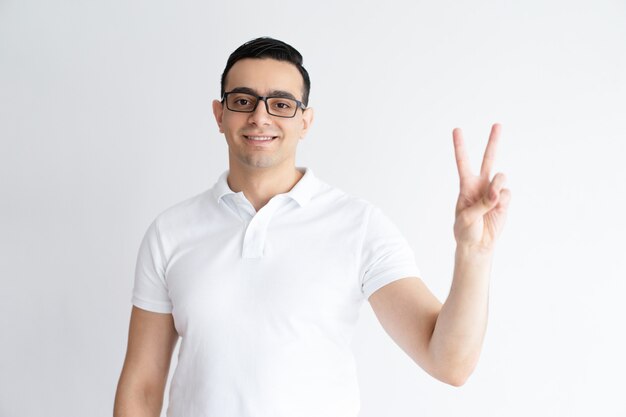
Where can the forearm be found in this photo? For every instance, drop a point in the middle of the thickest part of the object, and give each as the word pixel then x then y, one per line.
pixel 135 402
pixel 458 335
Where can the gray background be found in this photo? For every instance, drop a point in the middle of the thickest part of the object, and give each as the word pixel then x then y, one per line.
pixel 105 120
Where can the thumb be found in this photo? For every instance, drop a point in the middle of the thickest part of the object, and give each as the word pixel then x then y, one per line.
pixel 480 208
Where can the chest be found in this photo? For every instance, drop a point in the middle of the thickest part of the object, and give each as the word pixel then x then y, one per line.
pixel 305 279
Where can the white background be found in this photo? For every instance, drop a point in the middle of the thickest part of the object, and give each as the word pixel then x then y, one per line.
pixel 105 121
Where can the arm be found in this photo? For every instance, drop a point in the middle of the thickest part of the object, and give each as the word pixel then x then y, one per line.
pixel 151 341
pixel 460 328
pixel 446 340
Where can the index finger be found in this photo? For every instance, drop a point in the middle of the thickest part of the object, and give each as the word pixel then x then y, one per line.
pixel 490 151
pixel 462 160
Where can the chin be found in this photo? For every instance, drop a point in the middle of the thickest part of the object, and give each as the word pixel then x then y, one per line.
pixel 260 162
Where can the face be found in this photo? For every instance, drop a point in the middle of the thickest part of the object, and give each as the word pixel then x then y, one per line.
pixel 264 77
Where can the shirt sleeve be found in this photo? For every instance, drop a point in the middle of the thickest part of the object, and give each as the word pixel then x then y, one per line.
pixel 386 255
pixel 150 291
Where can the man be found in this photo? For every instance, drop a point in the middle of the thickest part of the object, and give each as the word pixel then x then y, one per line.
pixel 263 275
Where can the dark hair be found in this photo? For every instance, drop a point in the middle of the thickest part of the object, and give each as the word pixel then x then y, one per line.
pixel 266 47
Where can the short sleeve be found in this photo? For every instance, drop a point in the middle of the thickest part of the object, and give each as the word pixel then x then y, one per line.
pixel 386 255
pixel 150 290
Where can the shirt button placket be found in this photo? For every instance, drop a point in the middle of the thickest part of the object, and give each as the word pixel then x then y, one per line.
pixel 256 232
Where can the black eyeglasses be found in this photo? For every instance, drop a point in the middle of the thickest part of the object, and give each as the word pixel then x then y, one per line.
pixel 276 106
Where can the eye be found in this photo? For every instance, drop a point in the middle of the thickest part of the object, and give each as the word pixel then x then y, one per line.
pixel 241 102
pixel 282 104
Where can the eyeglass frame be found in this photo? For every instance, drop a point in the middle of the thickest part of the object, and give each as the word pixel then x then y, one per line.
pixel 264 99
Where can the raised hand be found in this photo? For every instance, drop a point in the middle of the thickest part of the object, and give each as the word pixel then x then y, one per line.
pixel 482 205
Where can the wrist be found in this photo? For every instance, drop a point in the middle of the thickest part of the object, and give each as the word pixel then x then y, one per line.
pixel 474 251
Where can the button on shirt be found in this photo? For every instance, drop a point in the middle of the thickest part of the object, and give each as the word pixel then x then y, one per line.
pixel 266 302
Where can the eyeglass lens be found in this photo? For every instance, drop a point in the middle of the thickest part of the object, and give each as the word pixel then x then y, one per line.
pixel 246 103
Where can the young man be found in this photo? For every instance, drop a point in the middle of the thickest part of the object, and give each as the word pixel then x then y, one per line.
pixel 263 275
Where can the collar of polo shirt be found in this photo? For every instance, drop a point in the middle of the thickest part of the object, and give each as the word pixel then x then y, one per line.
pixel 301 192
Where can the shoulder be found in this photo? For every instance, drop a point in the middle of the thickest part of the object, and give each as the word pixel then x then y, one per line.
pixel 185 212
pixel 339 200
pixel 357 212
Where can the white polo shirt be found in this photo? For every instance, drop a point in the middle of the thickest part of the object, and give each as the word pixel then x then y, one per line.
pixel 266 302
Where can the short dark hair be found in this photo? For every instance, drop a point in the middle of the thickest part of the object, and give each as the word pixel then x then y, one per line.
pixel 265 47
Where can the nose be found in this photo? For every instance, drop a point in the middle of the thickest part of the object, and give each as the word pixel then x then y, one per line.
pixel 260 116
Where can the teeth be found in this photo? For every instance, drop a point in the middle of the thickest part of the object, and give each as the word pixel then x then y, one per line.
pixel 260 137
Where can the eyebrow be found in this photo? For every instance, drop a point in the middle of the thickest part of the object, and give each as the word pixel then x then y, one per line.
pixel 273 93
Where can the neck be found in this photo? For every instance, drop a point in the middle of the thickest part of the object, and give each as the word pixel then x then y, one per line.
pixel 260 185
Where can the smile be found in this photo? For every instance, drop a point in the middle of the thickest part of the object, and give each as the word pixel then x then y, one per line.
pixel 260 138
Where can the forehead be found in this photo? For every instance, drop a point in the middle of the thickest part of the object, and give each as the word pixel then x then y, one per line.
pixel 263 75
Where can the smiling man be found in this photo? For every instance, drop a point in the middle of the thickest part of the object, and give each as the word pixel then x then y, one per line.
pixel 262 276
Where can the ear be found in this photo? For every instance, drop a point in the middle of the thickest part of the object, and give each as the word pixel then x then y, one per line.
pixel 218 112
pixel 307 120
